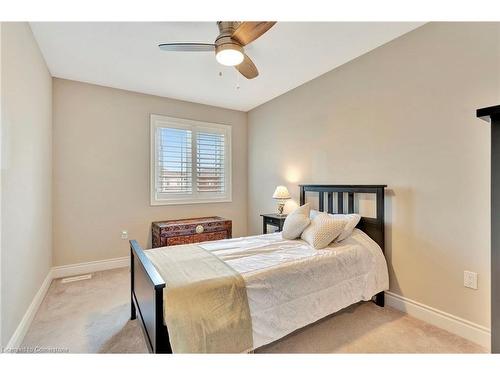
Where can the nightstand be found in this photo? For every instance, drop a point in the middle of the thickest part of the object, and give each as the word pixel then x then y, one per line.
pixel 274 220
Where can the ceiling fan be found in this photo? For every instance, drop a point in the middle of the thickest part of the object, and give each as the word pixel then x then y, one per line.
pixel 228 46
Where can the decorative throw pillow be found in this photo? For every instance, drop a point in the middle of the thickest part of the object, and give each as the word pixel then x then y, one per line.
pixel 296 222
pixel 313 214
pixel 351 221
pixel 323 230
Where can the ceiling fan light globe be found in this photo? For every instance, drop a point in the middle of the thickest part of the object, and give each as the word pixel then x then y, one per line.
pixel 228 53
pixel 229 57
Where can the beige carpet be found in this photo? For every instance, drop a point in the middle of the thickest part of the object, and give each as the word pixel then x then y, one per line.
pixel 92 316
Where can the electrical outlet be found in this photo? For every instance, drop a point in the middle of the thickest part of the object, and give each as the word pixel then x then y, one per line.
pixel 124 235
pixel 470 279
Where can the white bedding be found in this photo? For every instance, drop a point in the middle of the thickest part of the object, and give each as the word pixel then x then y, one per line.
pixel 290 284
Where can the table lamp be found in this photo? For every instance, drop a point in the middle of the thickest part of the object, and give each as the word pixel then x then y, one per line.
pixel 281 194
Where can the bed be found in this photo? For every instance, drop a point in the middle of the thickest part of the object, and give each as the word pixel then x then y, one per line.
pixel 287 283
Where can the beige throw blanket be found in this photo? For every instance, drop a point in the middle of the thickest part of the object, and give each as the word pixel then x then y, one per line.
pixel 205 301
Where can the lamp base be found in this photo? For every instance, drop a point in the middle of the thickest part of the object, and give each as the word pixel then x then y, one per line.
pixel 281 206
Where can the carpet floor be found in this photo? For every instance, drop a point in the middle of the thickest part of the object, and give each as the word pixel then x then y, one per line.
pixel 92 316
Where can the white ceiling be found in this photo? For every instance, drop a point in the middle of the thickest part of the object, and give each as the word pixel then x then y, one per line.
pixel 125 55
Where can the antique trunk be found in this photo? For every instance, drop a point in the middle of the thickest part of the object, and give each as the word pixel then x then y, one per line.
pixel 185 231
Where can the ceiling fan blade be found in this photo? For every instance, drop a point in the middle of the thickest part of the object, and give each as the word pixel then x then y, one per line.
pixel 187 47
pixel 247 68
pixel 247 32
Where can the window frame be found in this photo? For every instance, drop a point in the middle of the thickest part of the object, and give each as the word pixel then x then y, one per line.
pixel 160 121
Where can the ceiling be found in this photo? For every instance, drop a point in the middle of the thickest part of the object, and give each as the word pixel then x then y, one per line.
pixel 125 55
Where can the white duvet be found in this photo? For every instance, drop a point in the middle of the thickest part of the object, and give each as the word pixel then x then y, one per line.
pixel 290 284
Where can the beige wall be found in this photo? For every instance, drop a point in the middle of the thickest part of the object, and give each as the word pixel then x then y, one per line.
pixel 26 183
pixel 402 115
pixel 101 169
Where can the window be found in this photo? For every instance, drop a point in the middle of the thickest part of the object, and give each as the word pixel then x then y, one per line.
pixel 190 161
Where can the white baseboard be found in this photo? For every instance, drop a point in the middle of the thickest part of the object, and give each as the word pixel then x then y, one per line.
pixel 18 336
pixel 451 323
pixel 89 267
pixel 56 273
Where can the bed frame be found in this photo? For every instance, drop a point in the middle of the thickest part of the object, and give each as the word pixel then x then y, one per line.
pixel 147 285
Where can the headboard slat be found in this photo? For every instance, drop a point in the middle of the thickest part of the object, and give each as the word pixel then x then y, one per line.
pixel 330 202
pixel 340 202
pixel 321 201
pixel 373 227
pixel 350 203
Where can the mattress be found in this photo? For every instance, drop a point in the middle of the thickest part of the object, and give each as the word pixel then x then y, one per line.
pixel 290 284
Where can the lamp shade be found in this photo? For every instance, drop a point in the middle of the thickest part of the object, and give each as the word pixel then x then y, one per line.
pixel 281 192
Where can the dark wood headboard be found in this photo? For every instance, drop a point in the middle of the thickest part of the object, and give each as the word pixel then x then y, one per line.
pixel 374 227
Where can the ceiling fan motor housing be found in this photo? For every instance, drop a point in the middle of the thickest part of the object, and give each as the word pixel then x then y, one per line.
pixel 230 44
pixel 227 27
pixel 224 40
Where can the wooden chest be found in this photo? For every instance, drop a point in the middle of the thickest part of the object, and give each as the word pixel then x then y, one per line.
pixel 185 231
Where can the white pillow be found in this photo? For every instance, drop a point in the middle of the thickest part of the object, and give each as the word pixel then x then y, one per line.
pixel 313 214
pixel 351 221
pixel 296 222
pixel 323 230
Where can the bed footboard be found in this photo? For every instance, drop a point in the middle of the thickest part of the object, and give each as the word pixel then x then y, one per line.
pixel 146 300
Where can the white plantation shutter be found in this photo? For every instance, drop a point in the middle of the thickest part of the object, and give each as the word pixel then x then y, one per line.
pixel 174 163
pixel 210 162
pixel 190 161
